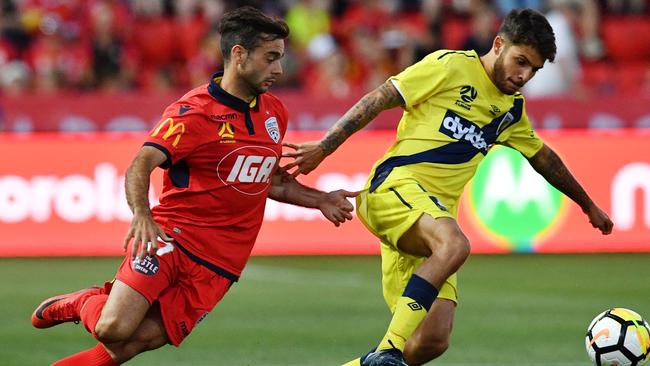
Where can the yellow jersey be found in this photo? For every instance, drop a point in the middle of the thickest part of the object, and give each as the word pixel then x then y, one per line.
pixel 453 115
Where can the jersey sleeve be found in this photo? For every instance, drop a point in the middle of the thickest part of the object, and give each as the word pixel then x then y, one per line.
pixel 421 80
pixel 523 137
pixel 175 135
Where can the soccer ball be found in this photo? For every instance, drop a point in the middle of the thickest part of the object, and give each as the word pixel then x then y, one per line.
pixel 618 337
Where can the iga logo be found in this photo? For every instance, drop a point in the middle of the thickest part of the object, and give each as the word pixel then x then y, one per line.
pixel 248 169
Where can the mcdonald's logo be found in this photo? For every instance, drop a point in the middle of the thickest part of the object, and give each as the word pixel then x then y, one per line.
pixel 171 129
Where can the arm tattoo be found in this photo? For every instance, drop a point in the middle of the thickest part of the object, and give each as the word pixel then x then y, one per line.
pixel 365 110
pixel 551 167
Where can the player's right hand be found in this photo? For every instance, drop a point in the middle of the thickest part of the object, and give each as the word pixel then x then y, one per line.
pixel 145 233
pixel 600 220
pixel 307 156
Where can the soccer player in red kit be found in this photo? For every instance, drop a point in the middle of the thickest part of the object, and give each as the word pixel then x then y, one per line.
pixel 220 145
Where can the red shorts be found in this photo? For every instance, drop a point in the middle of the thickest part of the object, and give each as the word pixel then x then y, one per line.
pixel 185 290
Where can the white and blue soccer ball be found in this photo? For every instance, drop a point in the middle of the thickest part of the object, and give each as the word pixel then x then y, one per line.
pixel 618 337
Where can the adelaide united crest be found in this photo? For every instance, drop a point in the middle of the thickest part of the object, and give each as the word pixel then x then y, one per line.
pixel 273 129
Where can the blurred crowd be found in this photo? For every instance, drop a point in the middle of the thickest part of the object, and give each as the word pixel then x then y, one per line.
pixel 336 47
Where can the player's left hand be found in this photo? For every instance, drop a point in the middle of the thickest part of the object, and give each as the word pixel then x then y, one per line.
pixel 600 220
pixel 336 207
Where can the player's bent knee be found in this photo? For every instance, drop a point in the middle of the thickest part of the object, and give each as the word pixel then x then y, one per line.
pixel 147 337
pixel 111 329
pixel 462 248
pixel 456 250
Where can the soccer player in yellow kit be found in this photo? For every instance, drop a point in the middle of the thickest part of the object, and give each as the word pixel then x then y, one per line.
pixel 456 106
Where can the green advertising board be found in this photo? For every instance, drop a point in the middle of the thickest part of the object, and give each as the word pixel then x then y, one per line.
pixel 511 202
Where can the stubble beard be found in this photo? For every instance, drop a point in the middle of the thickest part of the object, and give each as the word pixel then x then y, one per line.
pixel 253 85
pixel 500 75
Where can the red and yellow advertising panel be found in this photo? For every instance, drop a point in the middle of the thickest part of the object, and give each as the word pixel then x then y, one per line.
pixel 63 194
pixel 141 111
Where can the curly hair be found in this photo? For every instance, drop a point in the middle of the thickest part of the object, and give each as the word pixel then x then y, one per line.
pixel 249 27
pixel 529 27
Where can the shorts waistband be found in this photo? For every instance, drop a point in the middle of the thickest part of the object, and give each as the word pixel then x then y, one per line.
pixel 213 267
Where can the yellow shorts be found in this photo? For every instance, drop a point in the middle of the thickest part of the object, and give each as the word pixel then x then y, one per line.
pixel 389 212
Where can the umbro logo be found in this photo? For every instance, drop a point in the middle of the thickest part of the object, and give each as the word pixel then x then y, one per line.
pixel 467 95
pixel 414 306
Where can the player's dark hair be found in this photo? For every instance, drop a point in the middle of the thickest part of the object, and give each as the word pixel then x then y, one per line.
pixel 529 27
pixel 249 27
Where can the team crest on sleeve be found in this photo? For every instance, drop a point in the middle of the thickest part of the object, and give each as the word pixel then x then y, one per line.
pixel 273 129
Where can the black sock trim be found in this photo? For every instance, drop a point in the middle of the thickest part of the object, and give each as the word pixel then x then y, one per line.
pixel 421 291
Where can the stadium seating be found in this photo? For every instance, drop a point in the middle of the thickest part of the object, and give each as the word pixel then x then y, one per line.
pixel 626 38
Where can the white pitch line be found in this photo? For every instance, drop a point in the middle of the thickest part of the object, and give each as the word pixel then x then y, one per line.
pixel 256 272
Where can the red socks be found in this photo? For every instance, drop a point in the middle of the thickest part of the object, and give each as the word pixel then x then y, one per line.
pixel 96 356
pixel 91 311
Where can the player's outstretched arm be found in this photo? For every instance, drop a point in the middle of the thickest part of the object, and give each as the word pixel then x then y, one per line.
pixel 547 163
pixel 143 229
pixel 308 155
pixel 334 205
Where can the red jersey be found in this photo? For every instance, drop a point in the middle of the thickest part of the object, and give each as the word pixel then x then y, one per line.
pixel 221 154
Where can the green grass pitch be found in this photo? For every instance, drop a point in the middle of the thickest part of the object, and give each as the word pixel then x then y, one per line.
pixel 515 310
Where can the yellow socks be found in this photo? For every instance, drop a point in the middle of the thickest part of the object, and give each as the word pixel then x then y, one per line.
pixel 410 310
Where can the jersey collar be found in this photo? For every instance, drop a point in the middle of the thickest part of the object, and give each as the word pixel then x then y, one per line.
pixel 218 93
